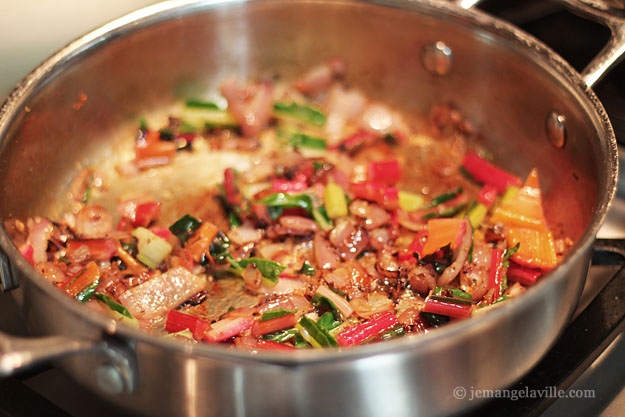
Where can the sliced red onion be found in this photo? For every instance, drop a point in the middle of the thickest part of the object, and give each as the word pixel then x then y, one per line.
pixel 324 253
pixel 299 223
pixel 252 277
pixel 342 231
pixel 245 234
pixel 474 277
pixel 406 221
pixel 39 232
pixel 251 106
pixel 319 78
pixel 341 303
pixel 461 254
pixel 339 278
pixel 280 302
pixel 343 107
pixel 284 286
pixel 226 328
pixel 374 215
pixel 387 264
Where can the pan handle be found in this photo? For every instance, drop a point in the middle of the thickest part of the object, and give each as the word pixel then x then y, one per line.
pixel 614 51
pixel 17 353
pixel 115 374
pixel 611 54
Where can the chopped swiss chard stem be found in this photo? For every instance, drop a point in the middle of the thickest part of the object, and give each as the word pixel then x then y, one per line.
pixel 328 322
pixel 87 195
pixel 446 213
pixel 304 113
pixel 362 332
pixel 321 301
pixel 305 141
pixel 452 292
pixel 435 319
pixel 317 333
pixel 275 313
pixel 282 335
pixel 268 269
pixel 397 331
pixel 445 197
pixel 82 271
pixel 509 252
pixel 201 104
pixel 452 307
pixel 304 201
pixel 234 220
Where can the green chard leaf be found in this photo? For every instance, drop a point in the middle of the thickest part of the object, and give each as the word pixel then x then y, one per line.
pixel 201 104
pixel 282 335
pixel 184 227
pixel 305 141
pixel 268 269
pixel 275 314
pixel 304 201
pixel 307 269
pixel 298 111
pixel 86 294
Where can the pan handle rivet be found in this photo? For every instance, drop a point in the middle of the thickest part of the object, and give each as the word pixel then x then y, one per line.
pixel 437 58
pixel 555 125
pixel 110 379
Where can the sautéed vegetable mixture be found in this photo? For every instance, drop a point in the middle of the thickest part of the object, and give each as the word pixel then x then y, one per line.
pixel 352 223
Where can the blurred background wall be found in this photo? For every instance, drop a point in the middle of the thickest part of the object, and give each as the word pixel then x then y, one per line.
pixel 31 30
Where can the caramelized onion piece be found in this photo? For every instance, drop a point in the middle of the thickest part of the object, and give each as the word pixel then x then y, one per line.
pixel 93 222
pixel 422 279
pixel 250 105
pixel 285 286
pixel 351 277
pixel 245 234
pixel 349 239
pixel 252 278
pixel 474 277
pixel 380 238
pixel 324 254
pixel 374 216
pixel 387 265
pixel 344 106
pixel 51 272
pixel 373 304
pixel 299 223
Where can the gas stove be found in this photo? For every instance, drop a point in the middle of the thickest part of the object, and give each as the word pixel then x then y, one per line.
pixel 588 357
